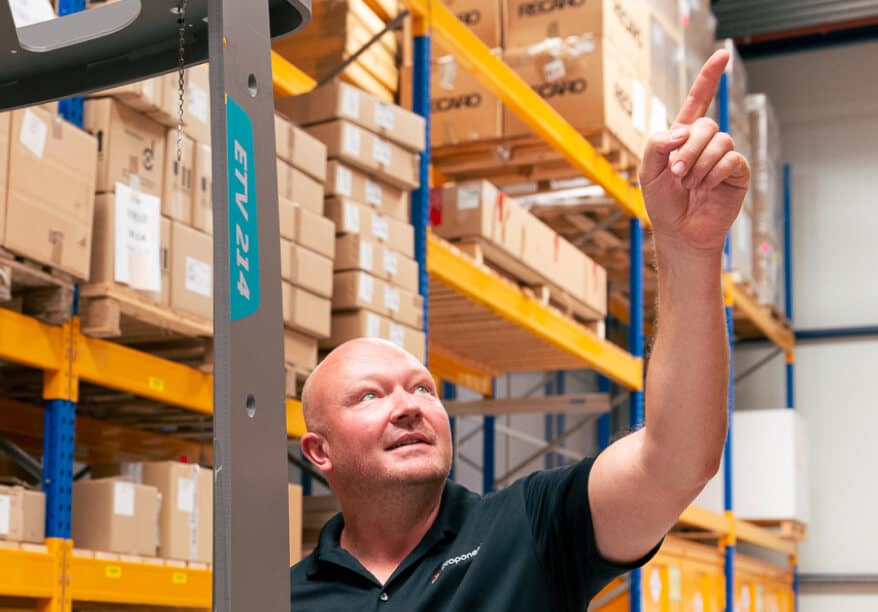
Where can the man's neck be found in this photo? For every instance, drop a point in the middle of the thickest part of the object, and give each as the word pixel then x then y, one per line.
pixel 382 528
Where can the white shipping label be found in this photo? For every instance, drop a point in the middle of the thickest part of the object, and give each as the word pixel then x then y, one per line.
pixel 351 140
pixel 384 117
pixel 373 325
pixel 367 288
pixel 351 218
pixel 554 70
pixel 373 193
pixel 350 102
pixel 186 494
pixel 199 102
pixel 5 503
pixel 366 255
pixel 137 240
pixel 29 12
pixel 397 334
pixel 380 227
pixel 658 116
pixel 198 277
pixel 391 264
pixel 123 499
pixel 381 152
pixel 33 133
pixel 344 181
pixel 468 197
pixel 391 299
pixel 638 106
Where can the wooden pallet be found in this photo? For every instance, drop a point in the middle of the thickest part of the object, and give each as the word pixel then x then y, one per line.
pixel 533 283
pixel 788 529
pixel 114 311
pixel 83 553
pixel 514 160
pixel 35 289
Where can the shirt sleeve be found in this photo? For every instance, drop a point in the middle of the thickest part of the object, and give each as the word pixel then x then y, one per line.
pixel 559 512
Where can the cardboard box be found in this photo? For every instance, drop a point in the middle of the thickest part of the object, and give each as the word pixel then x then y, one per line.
pixel 363 323
pixel 295 505
pixel 299 188
pixel 477 209
pixel 191 271
pixel 363 149
pixel 306 269
pixel 305 312
pixel 306 228
pixel 178 180
pixel 50 191
pixel 300 350
pixel 462 108
pixel 299 149
pixel 186 511
pixel 482 17
pixel 115 516
pixel 355 289
pixel 131 147
pixel 354 218
pixel 337 100
pixel 624 22
pixel 168 111
pixel 353 252
pixel 593 91
pixel 4 167
pixel 22 515
pixel 196 118
pixel 667 74
pixel 124 249
pixel 391 201
pixel 143 96
pixel 202 191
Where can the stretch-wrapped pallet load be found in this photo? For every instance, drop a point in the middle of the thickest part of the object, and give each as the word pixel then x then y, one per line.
pixel 478 211
pixel 589 61
pixel 47 186
pixel 766 194
pixel 338 29
pixel 373 164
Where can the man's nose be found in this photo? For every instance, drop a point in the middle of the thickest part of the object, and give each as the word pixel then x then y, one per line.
pixel 405 406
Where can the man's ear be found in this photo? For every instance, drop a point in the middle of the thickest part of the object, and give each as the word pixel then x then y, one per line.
pixel 314 449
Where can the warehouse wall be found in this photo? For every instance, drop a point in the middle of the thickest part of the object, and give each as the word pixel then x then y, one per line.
pixel 829 123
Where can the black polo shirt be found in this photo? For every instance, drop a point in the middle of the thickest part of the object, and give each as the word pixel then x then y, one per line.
pixel 528 547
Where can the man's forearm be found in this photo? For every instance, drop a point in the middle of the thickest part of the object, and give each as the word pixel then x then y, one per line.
pixel 687 379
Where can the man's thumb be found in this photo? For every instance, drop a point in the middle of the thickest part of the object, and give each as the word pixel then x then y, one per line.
pixel 658 149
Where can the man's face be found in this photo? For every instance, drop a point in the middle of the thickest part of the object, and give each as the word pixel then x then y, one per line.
pixel 381 418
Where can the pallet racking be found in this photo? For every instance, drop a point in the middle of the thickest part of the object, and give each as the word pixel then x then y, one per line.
pixel 54 575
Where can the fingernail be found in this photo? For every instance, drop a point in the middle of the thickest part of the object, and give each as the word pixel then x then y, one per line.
pixel 678 134
pixel 677 168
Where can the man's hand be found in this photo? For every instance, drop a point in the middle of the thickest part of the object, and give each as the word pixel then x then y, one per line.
pixel 692 178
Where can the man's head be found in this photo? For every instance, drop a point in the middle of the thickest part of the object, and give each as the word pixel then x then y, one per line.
pixel 374 419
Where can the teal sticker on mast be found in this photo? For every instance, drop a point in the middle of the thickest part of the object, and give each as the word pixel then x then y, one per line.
pixel 243 226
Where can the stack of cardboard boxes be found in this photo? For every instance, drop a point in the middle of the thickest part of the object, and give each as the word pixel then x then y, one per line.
pixel 338 29
pixel 22 515
pixel 152 212
pixel 162 509
pixel 478 210
pixel 307 244
pixel 373 150
pixel 47 179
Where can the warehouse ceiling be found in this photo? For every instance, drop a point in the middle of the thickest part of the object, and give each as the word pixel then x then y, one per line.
pixel 773 19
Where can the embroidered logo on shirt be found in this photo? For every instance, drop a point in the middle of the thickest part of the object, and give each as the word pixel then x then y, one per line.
pixel 454 561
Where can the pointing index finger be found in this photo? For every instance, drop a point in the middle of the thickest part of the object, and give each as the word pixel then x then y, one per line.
pixel 704 89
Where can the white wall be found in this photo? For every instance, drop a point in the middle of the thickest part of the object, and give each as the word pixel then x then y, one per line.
pixel 826 104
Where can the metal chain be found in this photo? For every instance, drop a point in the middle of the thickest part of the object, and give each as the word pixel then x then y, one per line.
pixel 181 83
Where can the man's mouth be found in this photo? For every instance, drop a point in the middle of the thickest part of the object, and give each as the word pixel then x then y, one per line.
pixel 407 441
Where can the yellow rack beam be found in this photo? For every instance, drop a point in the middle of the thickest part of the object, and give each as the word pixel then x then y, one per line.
pixel 536 113
pixel 455 369
pixel 761 318
pixel 128 582
pixel 463 276
pixel 27 342
pixel 28 573
pixel 720 524
pixel 288 80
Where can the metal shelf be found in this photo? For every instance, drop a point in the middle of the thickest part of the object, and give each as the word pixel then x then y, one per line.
pixel 778 331
pixel 32 572
pixel 728 525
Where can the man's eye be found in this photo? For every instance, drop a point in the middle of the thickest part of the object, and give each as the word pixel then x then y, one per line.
pixel 368 396
pixel 422 389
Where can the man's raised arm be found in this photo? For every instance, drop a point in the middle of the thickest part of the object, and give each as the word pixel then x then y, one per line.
pixel 693 184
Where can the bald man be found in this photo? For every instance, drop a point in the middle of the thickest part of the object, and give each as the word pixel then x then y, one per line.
pixel 408 539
